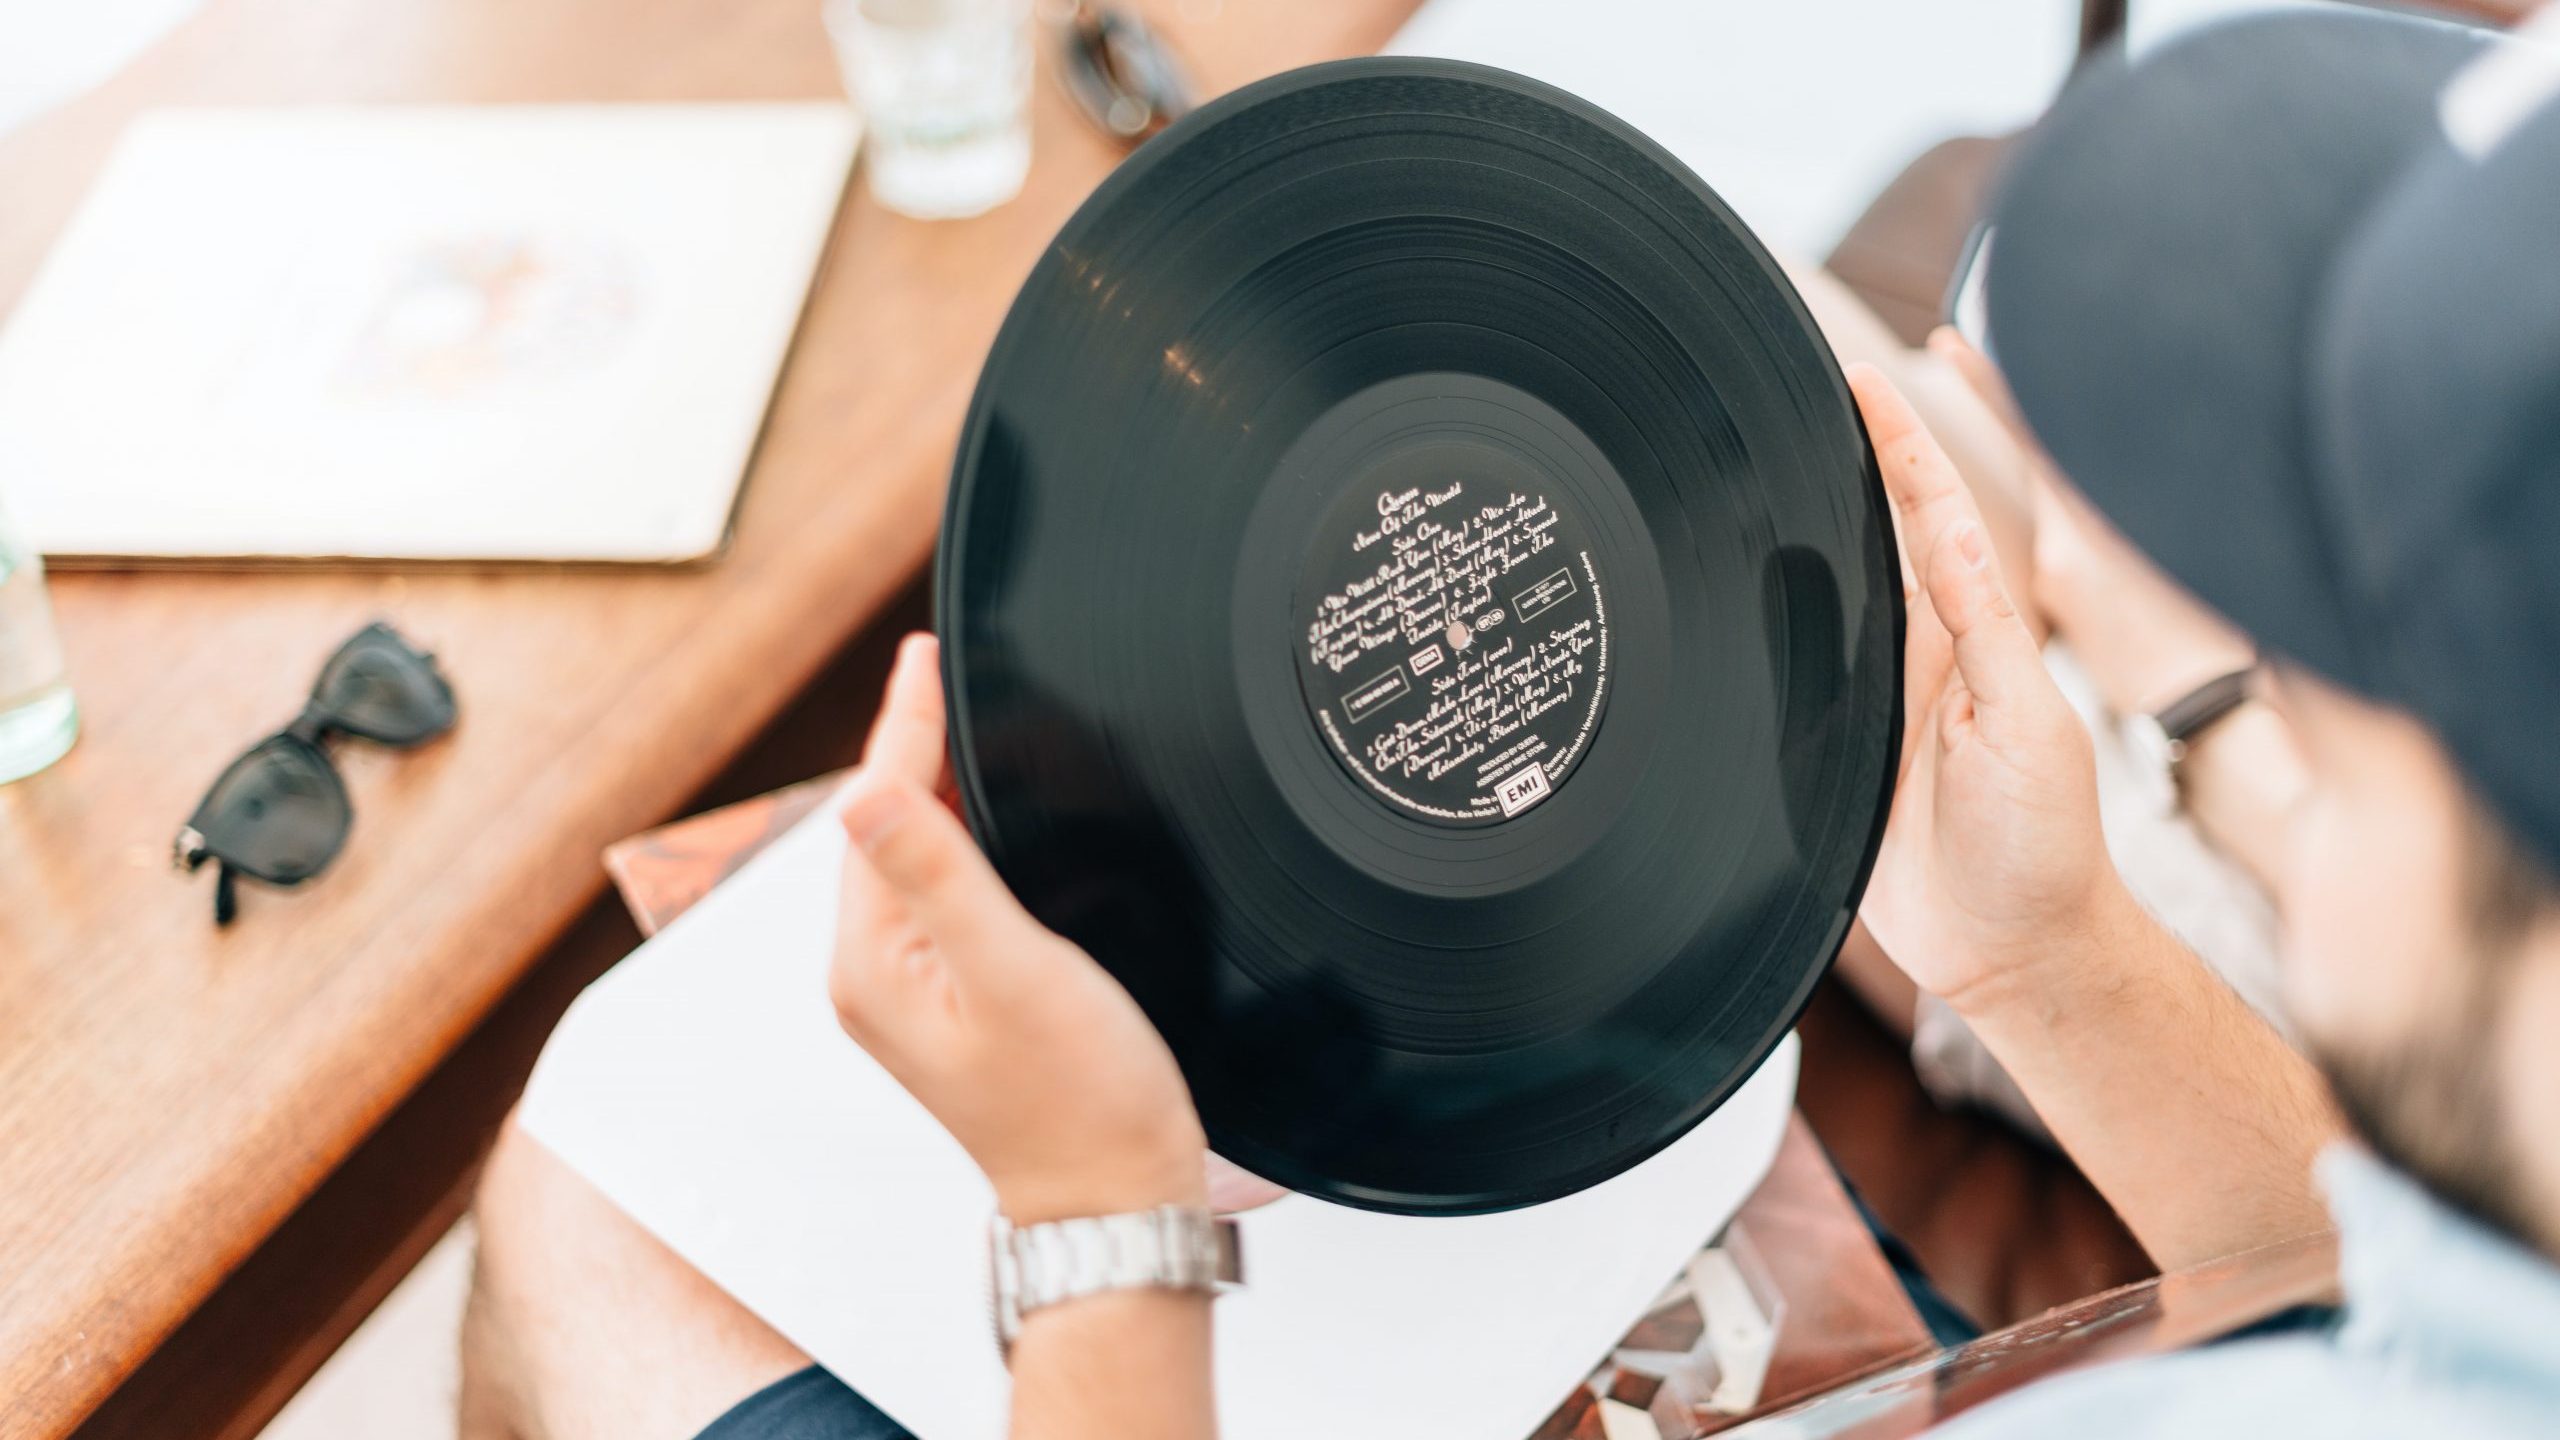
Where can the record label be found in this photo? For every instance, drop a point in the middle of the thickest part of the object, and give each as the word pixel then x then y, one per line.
pixel 1455 650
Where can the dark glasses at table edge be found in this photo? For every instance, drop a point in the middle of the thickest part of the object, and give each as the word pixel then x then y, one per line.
pixel 307 736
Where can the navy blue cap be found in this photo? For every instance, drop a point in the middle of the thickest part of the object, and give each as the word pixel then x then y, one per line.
pixel 2283 299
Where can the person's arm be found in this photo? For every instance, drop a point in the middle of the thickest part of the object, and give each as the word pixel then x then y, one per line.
pixel 2146 643
pixel 2187 1112
pixel 1036 1061
pixel 1130 1365
pixel 1994 892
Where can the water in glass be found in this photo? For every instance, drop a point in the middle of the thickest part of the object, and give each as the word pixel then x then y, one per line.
pixel 945 92
pixel 38 718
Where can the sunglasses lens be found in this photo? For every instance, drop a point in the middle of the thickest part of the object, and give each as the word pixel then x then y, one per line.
pixel 279 813
pixel 380 687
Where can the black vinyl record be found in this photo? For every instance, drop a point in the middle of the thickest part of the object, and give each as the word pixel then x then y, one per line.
pixel 1418 606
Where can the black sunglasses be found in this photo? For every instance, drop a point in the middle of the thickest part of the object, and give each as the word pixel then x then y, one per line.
pixel 280 812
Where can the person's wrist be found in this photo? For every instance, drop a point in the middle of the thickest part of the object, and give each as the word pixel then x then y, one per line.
pixel 1117 1183
pixel 2169 678
pixel 2143 650
pixel 2248 733
pixel 2071 947
pixel 2143 664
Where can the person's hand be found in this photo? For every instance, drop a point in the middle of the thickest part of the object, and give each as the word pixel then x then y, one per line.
pixel 1992 859
pixel 2144 640
pixel 1033 1057
pixel 1233 1189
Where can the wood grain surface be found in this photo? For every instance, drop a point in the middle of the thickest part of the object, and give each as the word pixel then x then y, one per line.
pixel 229 1366
pixel 169 1092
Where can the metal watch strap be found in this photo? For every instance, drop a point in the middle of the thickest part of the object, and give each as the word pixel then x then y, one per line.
pixel 1172 1247
pixel 2186 718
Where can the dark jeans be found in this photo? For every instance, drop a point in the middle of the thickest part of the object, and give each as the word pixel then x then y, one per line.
pixel 811 1405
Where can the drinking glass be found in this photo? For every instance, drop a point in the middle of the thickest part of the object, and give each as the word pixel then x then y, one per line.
pixel 38 718
pixel 945 92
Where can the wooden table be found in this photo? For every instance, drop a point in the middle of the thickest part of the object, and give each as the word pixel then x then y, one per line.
pixel 169 1093
pixel 1844 1314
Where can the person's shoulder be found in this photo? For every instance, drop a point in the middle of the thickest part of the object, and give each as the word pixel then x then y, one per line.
pixel 2290 1385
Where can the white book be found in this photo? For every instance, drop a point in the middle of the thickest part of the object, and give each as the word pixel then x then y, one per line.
pixel 480 333
pixel 704 1086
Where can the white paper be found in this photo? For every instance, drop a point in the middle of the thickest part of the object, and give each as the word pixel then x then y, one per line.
pixel 435 332
pixel 704 1086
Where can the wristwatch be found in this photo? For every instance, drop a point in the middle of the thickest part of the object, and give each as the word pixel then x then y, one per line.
pixel 1172 1247
pixel 2161 739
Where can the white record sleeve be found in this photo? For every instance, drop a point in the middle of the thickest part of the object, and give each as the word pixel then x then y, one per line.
pixel 704 1086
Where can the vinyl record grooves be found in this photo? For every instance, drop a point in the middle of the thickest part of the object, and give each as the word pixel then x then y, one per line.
pixel 1418 606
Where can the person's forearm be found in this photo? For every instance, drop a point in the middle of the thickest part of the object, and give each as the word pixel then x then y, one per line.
pixel 2184 1109
pixel 1123 1364
pixel 1127 1365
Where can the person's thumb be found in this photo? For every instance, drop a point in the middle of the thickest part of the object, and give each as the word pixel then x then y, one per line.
pixel 924 856
pixel 1994 654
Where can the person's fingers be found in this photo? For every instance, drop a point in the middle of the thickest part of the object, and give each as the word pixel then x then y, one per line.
pixel 2018 515
pixel 908 739
pixel 1234 1189
pixel 1926 649
pixel 1928 655
pixel 1993 650
pixel 1922 482
pixel 1995 657
pixel 1955 716
pixel 1981 376
pixel 928 864
pixel 1923 779
pixel 1902 863
pixel 877 958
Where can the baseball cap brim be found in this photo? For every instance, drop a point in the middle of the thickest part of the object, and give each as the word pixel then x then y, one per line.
pixel 2153 288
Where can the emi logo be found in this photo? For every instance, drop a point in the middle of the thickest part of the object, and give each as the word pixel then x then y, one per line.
pixel 1519 791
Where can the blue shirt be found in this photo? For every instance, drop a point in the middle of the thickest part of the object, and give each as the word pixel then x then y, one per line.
pixel 2450 1329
